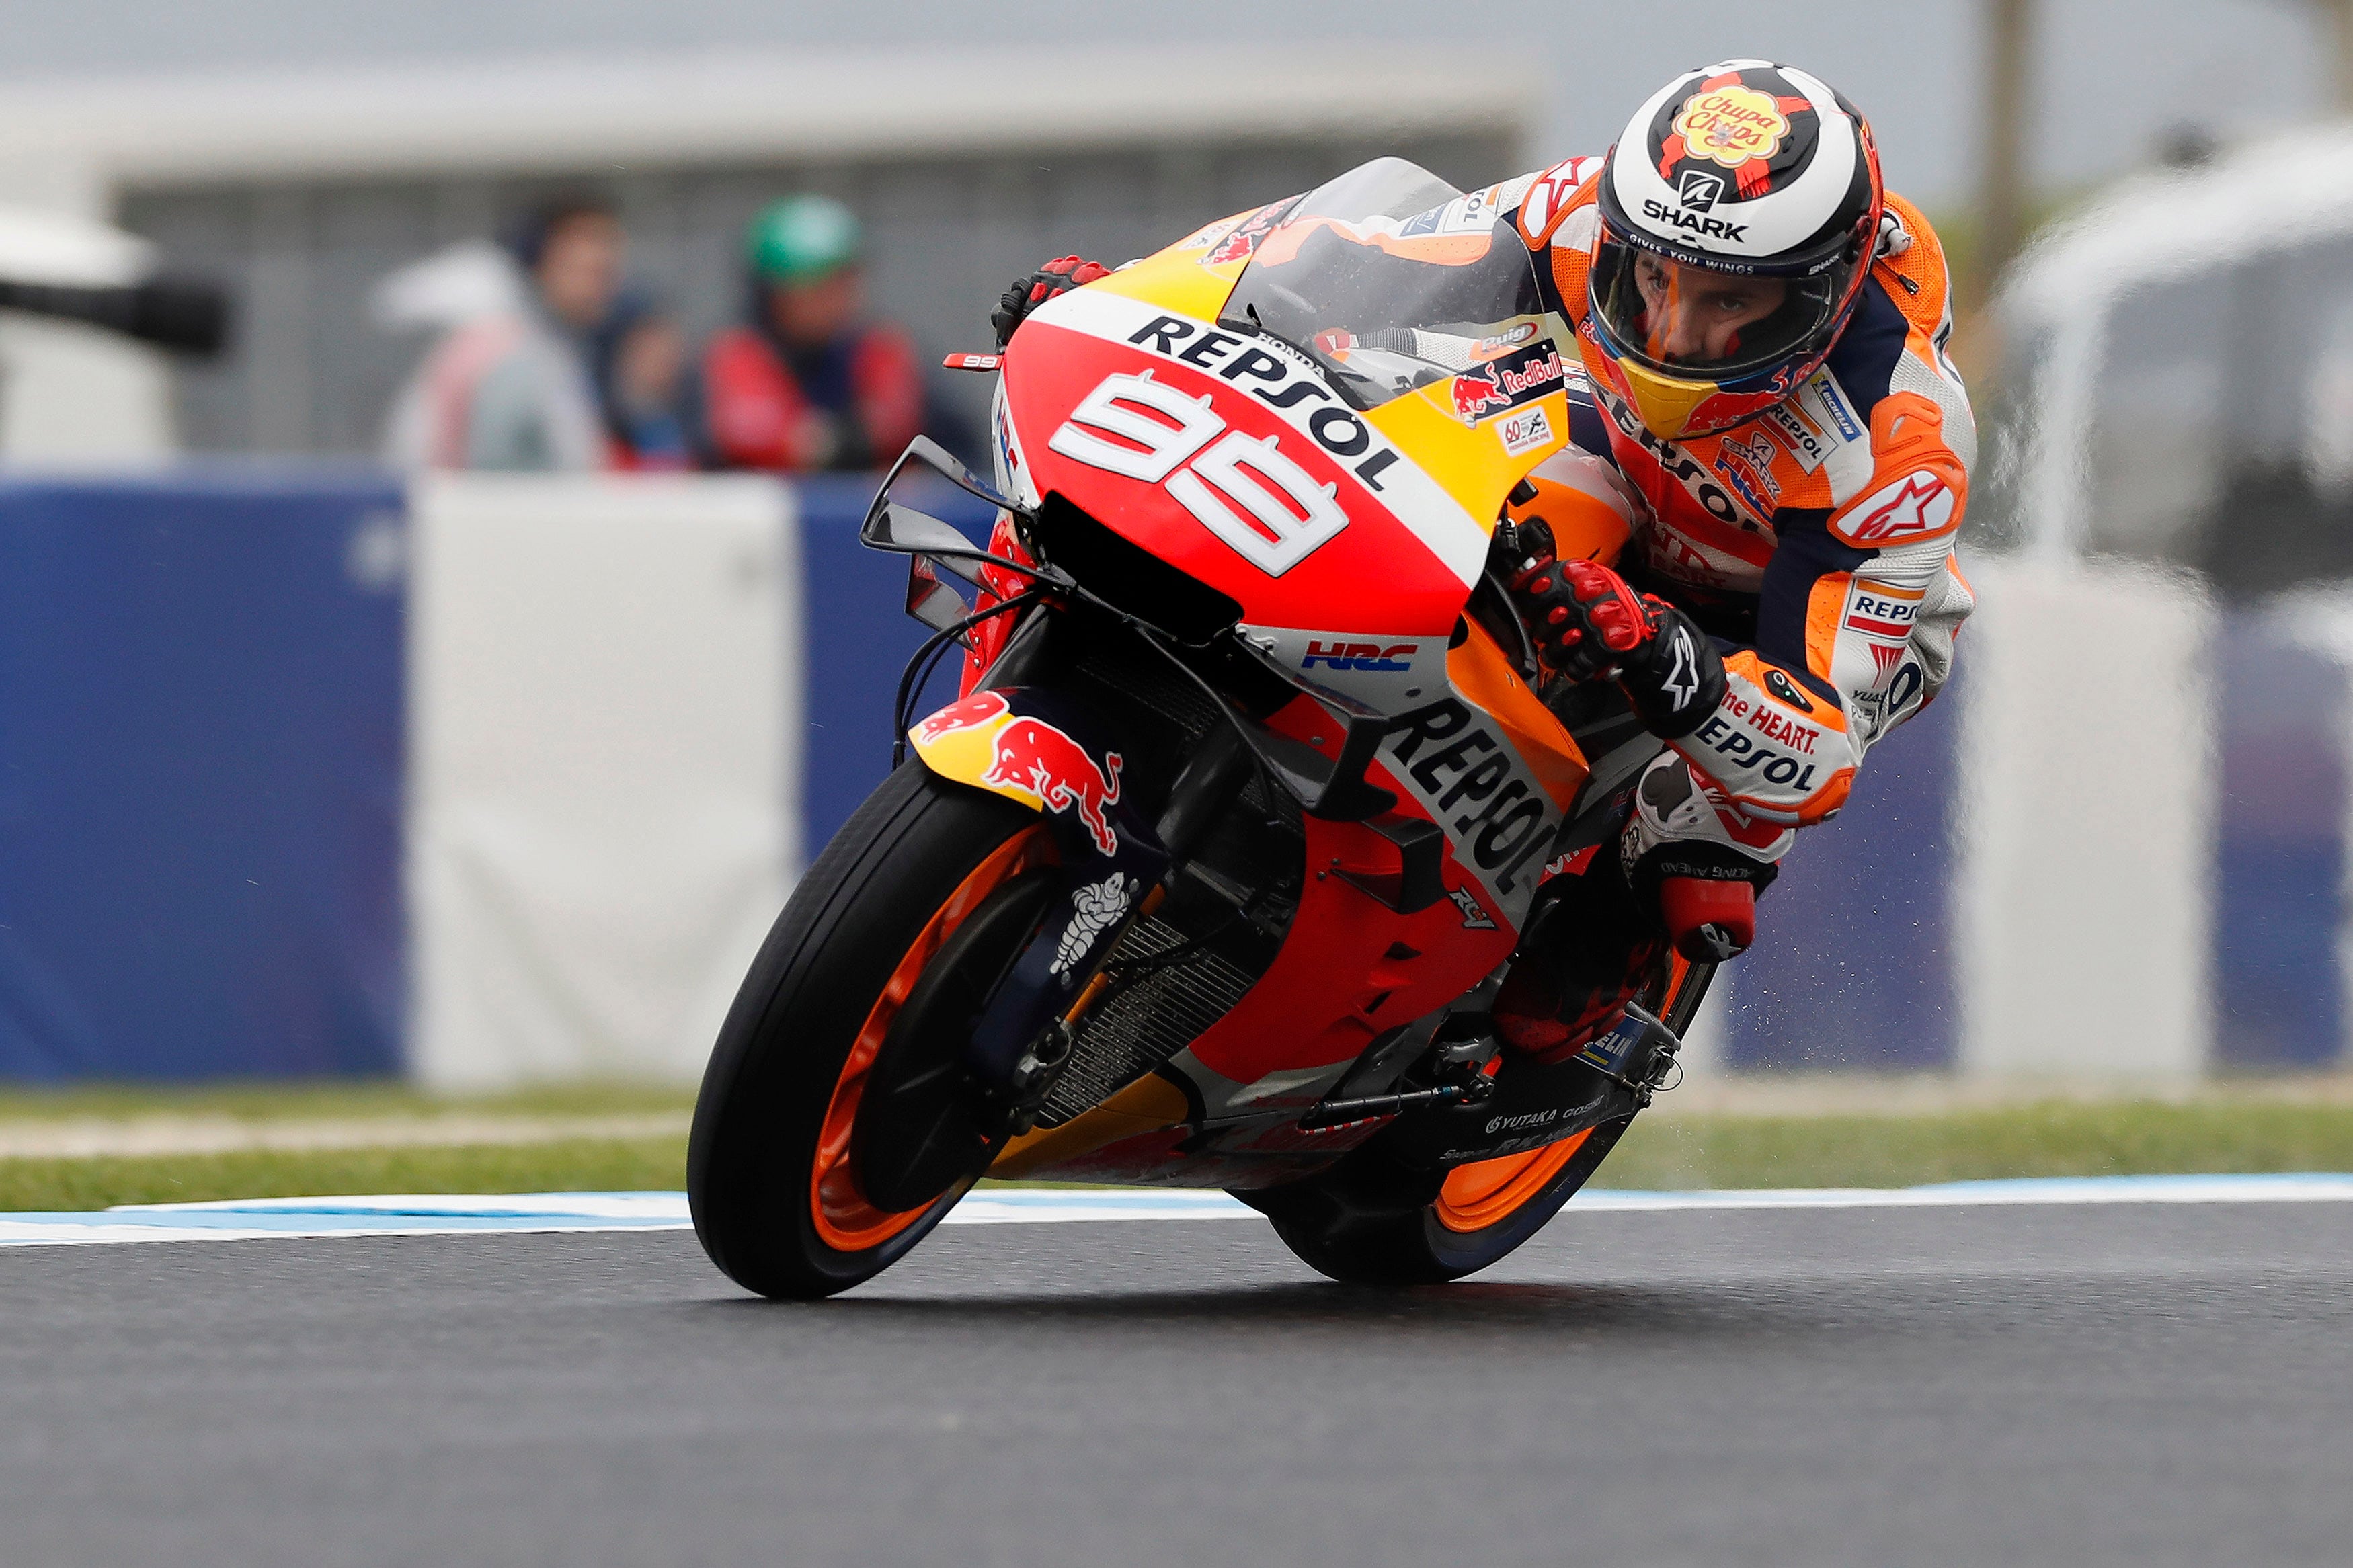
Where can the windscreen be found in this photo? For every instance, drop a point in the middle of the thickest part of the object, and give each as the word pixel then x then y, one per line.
pixel 1390 279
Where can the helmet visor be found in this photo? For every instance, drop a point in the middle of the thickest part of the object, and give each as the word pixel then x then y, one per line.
pixel 1696 323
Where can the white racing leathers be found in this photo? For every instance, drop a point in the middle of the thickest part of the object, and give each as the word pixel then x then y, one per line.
pixel 1833 514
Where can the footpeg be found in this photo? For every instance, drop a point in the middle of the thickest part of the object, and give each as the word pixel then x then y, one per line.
pixel 1460 1091
pixel 1463 1071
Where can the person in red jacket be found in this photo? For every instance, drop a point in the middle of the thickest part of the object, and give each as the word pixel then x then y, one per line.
pixel 1765 403
pixel 808 384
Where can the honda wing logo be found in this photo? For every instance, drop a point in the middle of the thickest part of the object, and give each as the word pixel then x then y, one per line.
pixel 1243 489
pixel 1698 189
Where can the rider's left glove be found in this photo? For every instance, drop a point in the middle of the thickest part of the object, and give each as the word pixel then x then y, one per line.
pixel 1587 625
pixel 1027 293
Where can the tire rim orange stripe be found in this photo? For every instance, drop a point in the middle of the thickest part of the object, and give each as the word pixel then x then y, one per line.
pixel 1488 1192
pixel 845 1220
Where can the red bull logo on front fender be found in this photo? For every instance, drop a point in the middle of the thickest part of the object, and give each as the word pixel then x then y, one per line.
pixel 969 714
pixel 1027 759
pixel 1032 755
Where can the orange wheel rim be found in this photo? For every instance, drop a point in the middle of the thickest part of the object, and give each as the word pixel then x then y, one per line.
pixel 845 1220
pixel 1488 1192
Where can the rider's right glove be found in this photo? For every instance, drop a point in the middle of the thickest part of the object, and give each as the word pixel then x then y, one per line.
pixel 1027 293
pixel 1587 625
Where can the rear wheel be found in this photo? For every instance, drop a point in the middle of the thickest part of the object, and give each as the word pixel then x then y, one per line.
pixel 844 1032
pixel 1373 1220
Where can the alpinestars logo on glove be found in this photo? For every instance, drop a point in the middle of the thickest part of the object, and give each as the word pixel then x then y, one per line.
pixel 1681 683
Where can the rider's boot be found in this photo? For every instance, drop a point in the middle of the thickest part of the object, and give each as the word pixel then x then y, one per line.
pixel 1686 877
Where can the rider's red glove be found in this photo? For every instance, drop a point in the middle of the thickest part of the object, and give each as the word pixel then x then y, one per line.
pixel 1588 624
pixel 1581 616
pixel 1027 293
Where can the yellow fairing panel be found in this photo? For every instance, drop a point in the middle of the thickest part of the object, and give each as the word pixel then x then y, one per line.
pixel 1469 460
pixel 1176 283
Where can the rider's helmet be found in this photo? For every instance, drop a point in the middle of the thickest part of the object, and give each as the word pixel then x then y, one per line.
pixel 801 239
pixel 1739 214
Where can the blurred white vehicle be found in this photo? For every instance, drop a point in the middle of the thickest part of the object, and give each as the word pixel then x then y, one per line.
pixel 76 386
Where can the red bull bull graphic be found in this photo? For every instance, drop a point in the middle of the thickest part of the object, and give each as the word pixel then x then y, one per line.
pixel 970 713
pixel 1507 381
pixel 1031 754
pixel 1027 757
pixel 1476 391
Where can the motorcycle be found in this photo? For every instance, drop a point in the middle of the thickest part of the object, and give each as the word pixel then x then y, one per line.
pixel 1210 875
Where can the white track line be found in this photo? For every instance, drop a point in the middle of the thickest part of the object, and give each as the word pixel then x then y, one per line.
pixel 433 1214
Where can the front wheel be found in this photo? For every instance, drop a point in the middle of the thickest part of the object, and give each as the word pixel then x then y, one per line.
pixel 928 875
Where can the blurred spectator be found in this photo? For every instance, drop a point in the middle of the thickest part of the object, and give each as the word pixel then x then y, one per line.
pixel 806 383
pixel 509 387
pixel 641 383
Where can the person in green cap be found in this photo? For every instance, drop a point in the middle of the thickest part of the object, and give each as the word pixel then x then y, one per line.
pixel 807 383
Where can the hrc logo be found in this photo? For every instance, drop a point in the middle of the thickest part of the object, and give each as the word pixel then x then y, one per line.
pixel 1358 656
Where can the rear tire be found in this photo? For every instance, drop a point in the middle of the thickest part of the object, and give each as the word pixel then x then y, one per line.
pixel 1372 1220
pixel 770 1177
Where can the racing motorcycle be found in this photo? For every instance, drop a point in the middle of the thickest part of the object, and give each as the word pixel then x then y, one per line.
pixel 1210 876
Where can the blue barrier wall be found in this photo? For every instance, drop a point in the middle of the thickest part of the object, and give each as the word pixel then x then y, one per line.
pixel 858 638
pixel 1854 961
pixel 2279 860
pixel 200 777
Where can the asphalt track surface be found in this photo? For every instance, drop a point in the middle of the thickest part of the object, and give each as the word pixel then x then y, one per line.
pixel 2078 1384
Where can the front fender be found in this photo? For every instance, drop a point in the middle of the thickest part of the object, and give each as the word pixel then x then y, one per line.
pixel 1044 750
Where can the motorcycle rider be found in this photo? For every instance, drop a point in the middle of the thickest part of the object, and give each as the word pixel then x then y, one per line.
pixel 1768 409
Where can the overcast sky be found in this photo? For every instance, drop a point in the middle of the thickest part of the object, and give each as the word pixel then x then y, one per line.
pixel 2114 75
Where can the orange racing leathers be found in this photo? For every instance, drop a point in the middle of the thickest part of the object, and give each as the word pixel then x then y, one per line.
pixel 1814 540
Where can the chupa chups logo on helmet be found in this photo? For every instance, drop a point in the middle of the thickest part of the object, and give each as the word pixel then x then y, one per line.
pixel 1731 125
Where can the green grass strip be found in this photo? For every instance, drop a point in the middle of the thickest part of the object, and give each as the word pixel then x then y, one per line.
pixel 328 1100
pixel 1664 1150
pixel 2209 1137
pixel 581 1165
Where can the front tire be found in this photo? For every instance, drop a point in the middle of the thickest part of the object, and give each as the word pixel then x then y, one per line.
pixel 771 1175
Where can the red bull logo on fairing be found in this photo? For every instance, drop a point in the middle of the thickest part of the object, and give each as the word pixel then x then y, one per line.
pixel 1477 391
pixel 1507 381
pixel 1037 759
